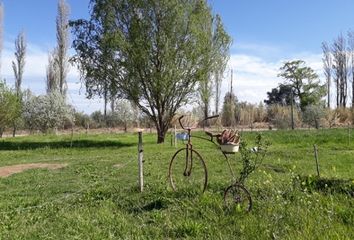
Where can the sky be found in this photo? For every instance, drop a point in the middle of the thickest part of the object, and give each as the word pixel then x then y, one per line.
pixel 265 34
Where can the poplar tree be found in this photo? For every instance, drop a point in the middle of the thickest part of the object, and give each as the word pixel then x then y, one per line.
pixel 154 52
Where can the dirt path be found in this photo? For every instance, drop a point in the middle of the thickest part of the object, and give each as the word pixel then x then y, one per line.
pixel 9 170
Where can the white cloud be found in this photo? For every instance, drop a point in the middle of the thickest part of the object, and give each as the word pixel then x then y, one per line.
pixel 254 74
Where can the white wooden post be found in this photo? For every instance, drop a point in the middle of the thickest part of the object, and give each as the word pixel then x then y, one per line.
pixel 140 162
pixel 175 137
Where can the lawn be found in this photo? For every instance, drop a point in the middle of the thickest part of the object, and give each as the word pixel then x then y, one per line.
pixel 96 195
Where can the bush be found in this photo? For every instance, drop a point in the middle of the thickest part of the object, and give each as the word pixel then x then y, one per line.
pixel 46 112
pixel 313 114
pixel 82 120
pixel 10 109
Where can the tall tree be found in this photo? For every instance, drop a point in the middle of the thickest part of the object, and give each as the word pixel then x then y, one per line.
pixel 304 81
pixel 228 117
pixel 160 52
pixel 52 82
pixel 219 42
pixel 217 85
pixel 1 30
pixel 351 53
pixel 327 69
pixel 19 64
pixel 62 25
pixel 340 67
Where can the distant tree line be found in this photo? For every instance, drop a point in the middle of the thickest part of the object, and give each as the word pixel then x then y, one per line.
pixel 338 66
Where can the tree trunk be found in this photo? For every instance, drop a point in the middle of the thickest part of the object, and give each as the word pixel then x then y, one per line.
pixel 206 112
pixel 161 132
pixel 1 131
pixel 161 136
pixel 14 130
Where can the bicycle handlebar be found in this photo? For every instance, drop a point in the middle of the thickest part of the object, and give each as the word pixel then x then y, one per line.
pixel 205 119
pixel 180 123
pixel 211 117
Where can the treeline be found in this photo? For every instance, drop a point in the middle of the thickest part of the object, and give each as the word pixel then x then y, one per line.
pixel 21 108
pixel 338 66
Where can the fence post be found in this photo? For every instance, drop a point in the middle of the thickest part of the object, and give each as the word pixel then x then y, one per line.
pixel 316 158
pixel 140 162
pixel 175 137
pixel 348 134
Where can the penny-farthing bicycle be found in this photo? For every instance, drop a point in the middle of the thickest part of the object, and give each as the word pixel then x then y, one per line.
pixel 188 171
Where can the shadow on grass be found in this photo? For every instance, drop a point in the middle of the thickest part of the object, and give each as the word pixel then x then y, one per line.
pixel 325 185
pixel 28 145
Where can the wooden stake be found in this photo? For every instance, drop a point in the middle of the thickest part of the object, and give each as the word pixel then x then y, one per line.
pixel 72 136
pixel 174 137
pixel 316 158
pixel 140 162
pixel 348 134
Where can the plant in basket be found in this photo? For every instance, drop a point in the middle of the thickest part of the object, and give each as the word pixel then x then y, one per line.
pixel 229 140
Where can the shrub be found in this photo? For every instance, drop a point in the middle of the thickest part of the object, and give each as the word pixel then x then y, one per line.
pixel 46 112
pixel 10 109
pixel 313 114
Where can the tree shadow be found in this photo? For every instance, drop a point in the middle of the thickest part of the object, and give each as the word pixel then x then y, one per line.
pixel 29 145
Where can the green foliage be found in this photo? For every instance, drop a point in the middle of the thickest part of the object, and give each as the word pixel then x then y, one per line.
pixel 46 112
pixel 96 195
pixel 252 157
pixel 280 96
pixel 229 109
pixel 82 120
pixel 313 115
pixel 154 52
pixel 304 81
pixel 10 109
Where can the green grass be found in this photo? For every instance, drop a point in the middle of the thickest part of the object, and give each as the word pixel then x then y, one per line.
pixel 91 199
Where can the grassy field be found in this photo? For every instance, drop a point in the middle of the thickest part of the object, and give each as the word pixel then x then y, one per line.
pixel 96 195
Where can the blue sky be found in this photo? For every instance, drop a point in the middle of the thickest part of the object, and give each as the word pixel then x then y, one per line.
pixel 265 33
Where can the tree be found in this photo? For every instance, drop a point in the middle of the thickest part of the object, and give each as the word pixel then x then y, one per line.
pixel 46 112
pixel 228 117
pixel 340 67
pixel 125 112
pixel 155 52
pixel 280 96
pixel 10 107
pixel 62 25
pixel 217 85
pixel 304 81
pixel 219 41
pixel 351 53
pixel 313 114
pixel 327 69
pixel 52 81
pixel 19 65
pixel 1 28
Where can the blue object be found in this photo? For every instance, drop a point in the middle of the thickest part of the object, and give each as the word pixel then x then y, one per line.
pixel 182 136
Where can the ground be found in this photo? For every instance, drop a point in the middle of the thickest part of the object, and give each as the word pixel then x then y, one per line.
pixel 96 195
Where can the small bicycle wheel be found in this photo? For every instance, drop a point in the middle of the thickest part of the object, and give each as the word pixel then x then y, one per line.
pixel 236 197
pixel 187 171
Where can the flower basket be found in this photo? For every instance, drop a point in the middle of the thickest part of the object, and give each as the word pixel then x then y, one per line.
pixel 229 147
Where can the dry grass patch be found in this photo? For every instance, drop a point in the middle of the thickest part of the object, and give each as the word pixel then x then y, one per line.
pixel 9 170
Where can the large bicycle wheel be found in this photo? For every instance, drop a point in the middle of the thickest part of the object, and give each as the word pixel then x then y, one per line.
pixel 236 197
pixel 187 171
